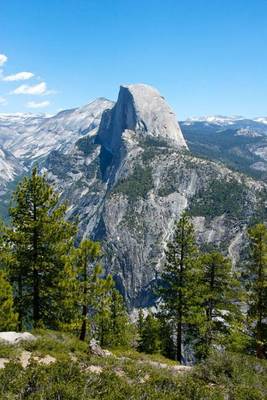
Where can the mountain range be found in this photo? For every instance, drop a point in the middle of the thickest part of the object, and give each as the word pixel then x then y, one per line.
pixel 128 169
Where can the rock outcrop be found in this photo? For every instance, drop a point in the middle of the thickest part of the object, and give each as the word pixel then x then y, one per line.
pixel 141 109
pixel 16 337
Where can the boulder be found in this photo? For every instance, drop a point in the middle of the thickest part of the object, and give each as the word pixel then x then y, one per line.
pixel 16 337
pixel 96 350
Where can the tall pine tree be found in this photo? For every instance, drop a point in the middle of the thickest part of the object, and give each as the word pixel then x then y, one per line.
pixel 121 330
pixel 180 292
pixel 256 285
pixel 40 238
pixel 80 284
pixel 220 291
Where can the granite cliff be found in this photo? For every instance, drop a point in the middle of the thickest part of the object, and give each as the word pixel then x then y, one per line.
pixel 129 181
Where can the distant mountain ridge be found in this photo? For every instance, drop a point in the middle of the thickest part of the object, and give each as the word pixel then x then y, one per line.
pixel 226 120
pixel 239 143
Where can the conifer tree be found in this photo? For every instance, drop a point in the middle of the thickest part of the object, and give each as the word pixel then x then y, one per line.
pixel 101 309
pixel 220 292
pixel 6 257
pixel 149 341
pixel 8 317
pixel 40 238
pixel 181 287
pixel 121 330
pixel 166 337
pixel 256 285
pixel 80 284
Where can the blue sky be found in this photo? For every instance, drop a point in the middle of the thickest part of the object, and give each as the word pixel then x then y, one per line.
pixel 205 56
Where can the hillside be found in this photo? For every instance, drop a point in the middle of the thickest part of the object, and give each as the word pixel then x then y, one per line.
pixel 238 142
pixel 58 366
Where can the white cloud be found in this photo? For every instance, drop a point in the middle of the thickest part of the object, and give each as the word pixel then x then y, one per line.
pixel 3 101
pixel 34 104
pixel 40 88
pixel 3 59
pixel 20 76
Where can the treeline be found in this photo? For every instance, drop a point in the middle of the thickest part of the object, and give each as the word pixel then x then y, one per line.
pixel 48 281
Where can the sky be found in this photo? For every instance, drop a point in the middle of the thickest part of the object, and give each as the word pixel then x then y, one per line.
pixel 206 57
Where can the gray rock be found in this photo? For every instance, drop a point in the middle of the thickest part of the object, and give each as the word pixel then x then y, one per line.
pixel 96 350
pixel 141 109
pixel 16 337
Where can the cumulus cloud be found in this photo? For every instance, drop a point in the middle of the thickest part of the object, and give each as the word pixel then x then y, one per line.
pixel 20 76
pixel 34 104
pixel 38 89
pixel 3 59
pixel 3 101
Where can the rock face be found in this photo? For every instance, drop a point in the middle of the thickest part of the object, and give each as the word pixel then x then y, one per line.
pixel 30 137
pixel 129 184
pixel 140 108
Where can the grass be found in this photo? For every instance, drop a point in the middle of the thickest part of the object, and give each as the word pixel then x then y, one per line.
pixel 125 375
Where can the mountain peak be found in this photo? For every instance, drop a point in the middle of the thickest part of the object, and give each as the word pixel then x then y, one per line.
pixel 139 108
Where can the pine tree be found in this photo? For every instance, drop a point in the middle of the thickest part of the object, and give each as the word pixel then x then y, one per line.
pixel 101 310
pixel 121 330
pixel 40 238
pixel 180 292
pixel 166 337
pixel 8 317
pixel 149 341
pixel 6 257
pixel 80 284
pixel 220 292
pixel 256 285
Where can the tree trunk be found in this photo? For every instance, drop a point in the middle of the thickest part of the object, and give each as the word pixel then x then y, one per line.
pixel 180 306
pixel 83 327
pixel 259 341
pixel 36 298
pixel 179 342
pixel 259 328
pixel 84 310
pixel 36 289
pixel 20 308
pixel 210 308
